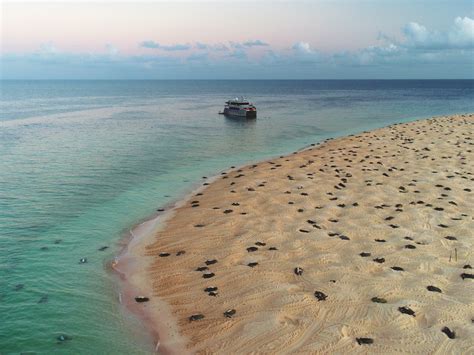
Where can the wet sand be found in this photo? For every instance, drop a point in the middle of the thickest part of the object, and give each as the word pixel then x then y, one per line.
pixel 358 244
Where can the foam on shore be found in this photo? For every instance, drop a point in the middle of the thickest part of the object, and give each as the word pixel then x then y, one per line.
pixel 380 225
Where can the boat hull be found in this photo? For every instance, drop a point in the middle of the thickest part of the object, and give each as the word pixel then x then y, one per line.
pixel 240 113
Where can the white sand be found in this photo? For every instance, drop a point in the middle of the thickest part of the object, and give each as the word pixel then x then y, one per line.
pixel 417 177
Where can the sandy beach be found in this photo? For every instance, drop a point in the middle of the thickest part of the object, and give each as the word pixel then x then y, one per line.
pixel 359 244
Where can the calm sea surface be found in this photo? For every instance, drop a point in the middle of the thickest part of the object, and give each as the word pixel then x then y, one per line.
pixel 82 161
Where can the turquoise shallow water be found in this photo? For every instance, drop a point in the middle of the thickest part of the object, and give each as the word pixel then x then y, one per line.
pixel 81 162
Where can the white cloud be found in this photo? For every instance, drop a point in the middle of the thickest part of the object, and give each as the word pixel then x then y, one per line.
pixel 48 48
pixel 452 50
pixel 418 45
pixel 302 47
pixel 462 32
pixel 302 53
pixel 169 48
pixel 113 51
pixel 238 53
pixel 416 33
pixel 248 44
pixel 218 47
pixel 460 35
pixel 375 54
pixel 255 43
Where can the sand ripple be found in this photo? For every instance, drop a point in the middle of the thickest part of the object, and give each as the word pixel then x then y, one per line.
pixel 395 193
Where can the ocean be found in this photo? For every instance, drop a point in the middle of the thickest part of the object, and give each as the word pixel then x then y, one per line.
pixel 82 162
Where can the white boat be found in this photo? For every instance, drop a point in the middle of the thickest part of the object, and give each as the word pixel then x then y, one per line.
pixel 239 107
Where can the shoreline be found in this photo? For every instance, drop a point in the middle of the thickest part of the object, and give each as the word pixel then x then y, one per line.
pixel 126 265
pixel 135 261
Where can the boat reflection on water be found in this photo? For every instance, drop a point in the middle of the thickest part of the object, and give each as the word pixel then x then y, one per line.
pixel 241 122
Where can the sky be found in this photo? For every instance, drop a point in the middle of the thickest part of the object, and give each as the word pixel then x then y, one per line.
pixel 228 39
